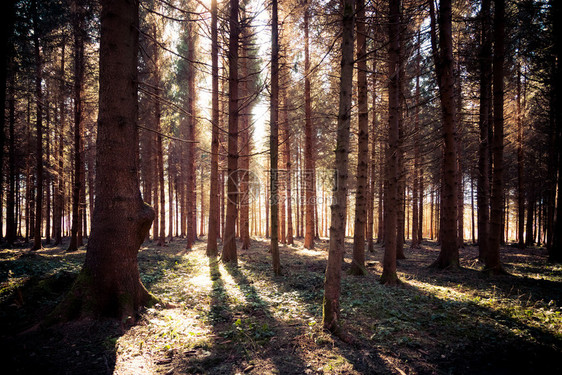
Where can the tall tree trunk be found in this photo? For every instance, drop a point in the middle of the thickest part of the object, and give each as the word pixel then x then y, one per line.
pixel 229 253
pixel 214 204
pixel 520 167
pixel 309 143
pixel 109 282
pixel 78 28
pixel 449 254
pixel 373 164
pixel 483 202
pixel 287 155
pixel 358 262
pixel 332 280
pixel 415 193
pixel 391 199
pixel 492 258
pixel 11 207
pixel 59 187
pixel 555 250
pixel 39 141
pixel 274 140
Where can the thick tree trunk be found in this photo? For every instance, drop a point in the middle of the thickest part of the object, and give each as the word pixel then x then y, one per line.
pixel 309 143
pixel 214 204
pixel 229 253
pixel 332 280
pixel 391 199
pixel 449 254
pixel 492 258
pixel 483 202
pixel 358 262
pixel 109 283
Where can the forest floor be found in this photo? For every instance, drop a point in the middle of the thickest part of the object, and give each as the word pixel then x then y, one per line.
pixel 229 320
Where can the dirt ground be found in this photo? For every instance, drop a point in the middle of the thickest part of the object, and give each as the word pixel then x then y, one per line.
pixel 230 320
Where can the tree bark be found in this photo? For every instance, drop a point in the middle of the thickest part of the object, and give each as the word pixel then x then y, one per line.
pixel 229 254
pixel 391 201
pixel 443 57
pixel 309 144
pixel 39 140
pixel 555 250
pixel 332 281
pixel 358 262
pixel 484 118
pixel 109 282
pixel 274 141
pixel 492 258
pixel 78 28
pixel 214 204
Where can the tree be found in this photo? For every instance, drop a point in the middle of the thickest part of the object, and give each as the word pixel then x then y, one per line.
pixel 391 199
pixel 443 57
pixel 274 140
pixel 358 263
pixel 332 281
pixel 109 283
pixel 229 252
pixel 309 143
pixel 492 257
pixel 214 204
pixel 484 123
pixel 78 30
pixel 555 251
pixel 39 122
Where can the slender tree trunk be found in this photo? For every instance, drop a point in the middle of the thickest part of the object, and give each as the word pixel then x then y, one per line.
pixel 39 142
pixel 415 193
pixel 484 118
pixel 373 166
pixel 520 168
pixel 109 282
pixel 11 206
pixel 492 258
pixel 214 204
pixel 332 280
pixel 449 254
pixel 309 144
pixel 78 102
pixel 59 187
pixel 391 199
pixel 287 156
pixel 229 254
pixel 358 262
pixel 555 250
pixel 274 140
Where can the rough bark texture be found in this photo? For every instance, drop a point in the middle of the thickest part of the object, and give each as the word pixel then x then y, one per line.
pixel 358 262
pixel 229 253
pixel 483 202
pixel 109 282
pixel 415 189
pixel 492 257
pixel 391 163
pixel 373 165
pixel 309 143
pixel 332 281
pixel 449 254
